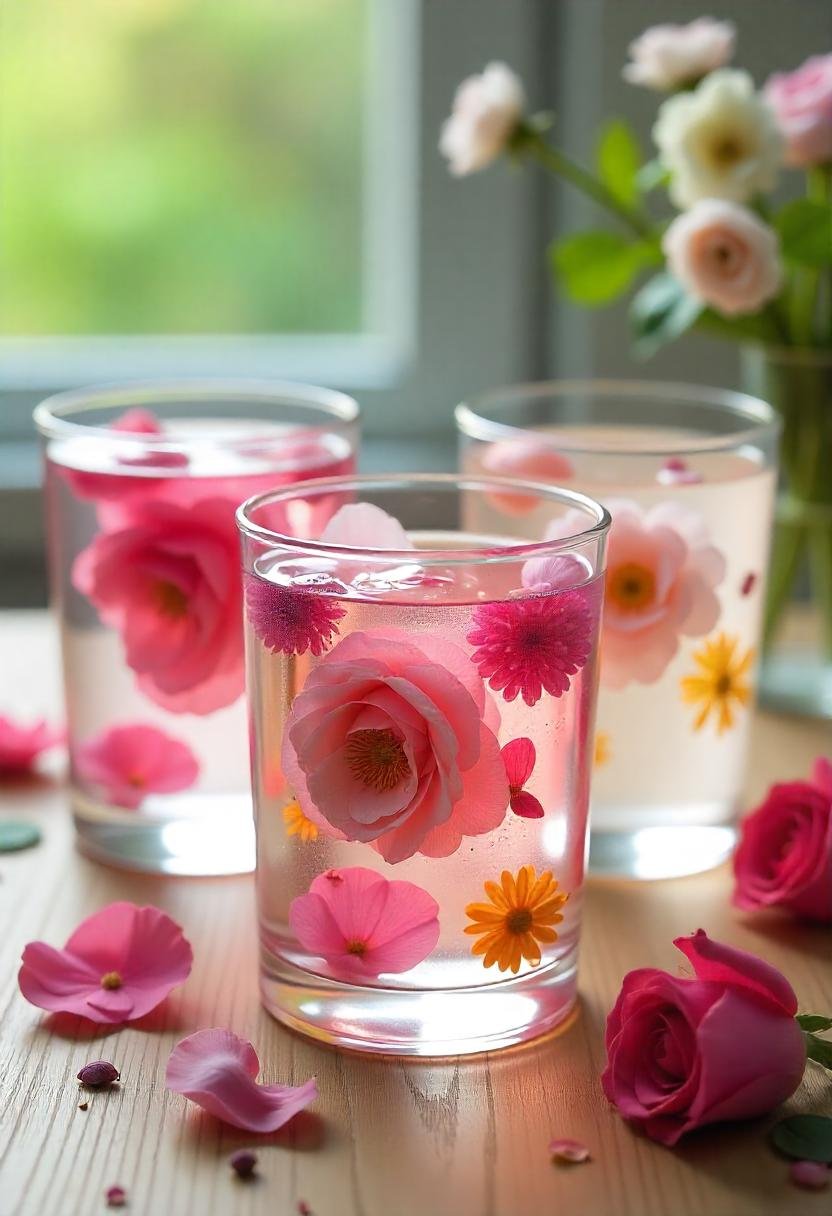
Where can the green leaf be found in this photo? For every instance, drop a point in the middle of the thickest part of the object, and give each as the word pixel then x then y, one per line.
pixel 813 1021
pixel 660 312
pixel 805 1137
pixel 652 175
pixel 819 1050
pixel 805 231
pixel 619 159
pixel 14 836
pixel 595 267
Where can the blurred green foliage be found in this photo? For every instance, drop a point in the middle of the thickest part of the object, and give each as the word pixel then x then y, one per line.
pixel 181 166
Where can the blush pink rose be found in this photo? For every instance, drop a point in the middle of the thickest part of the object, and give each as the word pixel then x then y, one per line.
pixel 393 742
pixel 685 1052
pixel 784 858
pixel 802 104
pixel 169 582
pixel 528 459
pixel 486 111
pixel 670 56
pixel 724 256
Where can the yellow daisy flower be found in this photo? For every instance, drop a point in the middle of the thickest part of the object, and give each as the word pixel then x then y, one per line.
pixel 720 685
pixel 603 748
pixel 521 913
pixel 297 824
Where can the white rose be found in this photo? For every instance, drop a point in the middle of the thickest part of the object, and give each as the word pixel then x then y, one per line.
pixel 725 256
pixel 485 113
pixel 666 57
pixel 719 141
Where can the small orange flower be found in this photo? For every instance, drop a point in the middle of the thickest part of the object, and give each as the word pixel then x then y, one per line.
pixel 603 748
pixel 521 914
pixel 720 685
pixel 297 823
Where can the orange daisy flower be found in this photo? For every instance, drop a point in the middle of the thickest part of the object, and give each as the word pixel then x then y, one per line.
pixel 720 686
pixel 297 823
pixel 603 748
pixel 521 914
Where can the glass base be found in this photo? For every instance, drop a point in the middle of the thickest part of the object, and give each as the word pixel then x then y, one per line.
pixel 436 1022
pixel 659 852
pixel 213 834
pixel 797 683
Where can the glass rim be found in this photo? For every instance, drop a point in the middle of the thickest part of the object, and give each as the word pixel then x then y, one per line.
pixel 392 481
pixel 53 415
pixel 759 418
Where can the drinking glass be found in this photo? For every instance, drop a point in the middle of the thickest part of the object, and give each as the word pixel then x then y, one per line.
pixel 688 474
pixel 421 716
pixel 142 482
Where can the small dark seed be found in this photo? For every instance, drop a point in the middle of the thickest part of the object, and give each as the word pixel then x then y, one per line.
pixel 116 1197
pixel 243 1162
pixel 97 1073
pixel 83 1105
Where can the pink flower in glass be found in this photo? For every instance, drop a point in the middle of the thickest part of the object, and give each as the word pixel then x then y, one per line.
pixel 129 762
pixel 289 620
pixel 118 965
pixel 364 925
pixel 529 459
pixel 519 757
pixel 20 746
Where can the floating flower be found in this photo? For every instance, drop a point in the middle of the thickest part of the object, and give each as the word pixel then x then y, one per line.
pixel 118 965
pixel 130 762
pixel 784 858
pixel 218 1071
pixel 533 645
pixel 667 57
pixel 361 525
pixel 677 472
pixel 486 111
pixel 288 620
pixel 521 913
pixel 685 1052
pixel 802 103
pixel 391 741
pixel 297 823
pixel 528 459
pixel 720 686
pixel 137 421
pixel 556 572
pixel 519 757
pixel 603 749
pixel 21 746
pixel 364 925
pixel 169 582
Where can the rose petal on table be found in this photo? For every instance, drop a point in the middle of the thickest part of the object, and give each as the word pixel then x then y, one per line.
pixel 810 1174
pixel 572 1152
pixel 216 1069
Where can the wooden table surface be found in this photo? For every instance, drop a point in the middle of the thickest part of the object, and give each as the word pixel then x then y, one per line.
pixel 464 1137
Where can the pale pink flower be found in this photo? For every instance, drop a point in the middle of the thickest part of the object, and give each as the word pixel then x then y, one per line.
pixel 169 582
pixel 670 56
pixel 289 620
pixel 364 925
pixel 677 472
pixel 118 965
pixel 392 741
pixel 556 572
pixel 129 762
pixel 487 110
pixel 526 458
pixel 533 645
pixel 802 103
pixel 519 757
pixel 725 256
pixel 362 525
pixel 20 746
pixel 218 1071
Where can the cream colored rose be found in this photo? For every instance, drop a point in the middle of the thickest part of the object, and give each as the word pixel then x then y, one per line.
pixel 485 113
pixel 719 141
pixel 667 57
pixel 725 256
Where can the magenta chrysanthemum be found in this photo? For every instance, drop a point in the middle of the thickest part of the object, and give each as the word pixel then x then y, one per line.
pixel 528 646
pixel 289 620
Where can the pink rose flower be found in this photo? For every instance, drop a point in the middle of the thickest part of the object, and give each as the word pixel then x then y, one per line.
pixel 725 256
pixel 20 746
pixel 685 1052
pixel 392 741
pixel 130 762
pixel 169 582
pixel 784 858
pixel 486 110
pixel 669 56
pixel 802 103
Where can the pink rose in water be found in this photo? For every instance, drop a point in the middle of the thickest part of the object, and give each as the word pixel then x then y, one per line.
pixel 392 742
pixel 685 1052
pixel 169 582
pixel 724 256
pixel 669 56
pixel 130 762
pixel 21 746
pixel 784 858
pixel 802 103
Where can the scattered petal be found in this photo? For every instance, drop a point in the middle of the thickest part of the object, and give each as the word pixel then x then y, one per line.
pixel 519 757
pixel 137 421
pixel 20 746
pixel 130 762
pixel 677 472
pixel 748 583
pixel 810 1174
pixel 526 805
pixel 116 1197
pixel 243 1162
pixel 15 835
pixel 360 525
pixel 572 1152
pixel 217 1070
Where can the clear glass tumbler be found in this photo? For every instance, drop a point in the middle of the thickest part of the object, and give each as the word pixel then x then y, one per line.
pixel 142 483
pixel 421 716
pixel 688 475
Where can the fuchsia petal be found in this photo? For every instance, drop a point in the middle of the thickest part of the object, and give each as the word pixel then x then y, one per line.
pixel 360 525
pixel 519 757
pixel 727 965
pixel 137 421
pixel 129 762
pixel 526 805
pixel 217 1070
pixel 20 746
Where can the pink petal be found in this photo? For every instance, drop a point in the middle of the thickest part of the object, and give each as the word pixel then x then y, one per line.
pixel 812 1175
pixel 137 421
pixel 519 758
pixel 217 1070
pixel 822 775
pixel 20 746
pixel 727 965
pixel 360 525
pixel 526 805
pixel 131 761
pixel 572 1151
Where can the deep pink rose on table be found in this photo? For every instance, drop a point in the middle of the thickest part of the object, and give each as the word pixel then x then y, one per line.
pixel 21 746
pixel 682 1053
pixel 784 858
pixel 118 965
pixel 129 762
pixel 217 1070
pixel 392 741
pixel 169 582
pixel 364 925
pixel 802 103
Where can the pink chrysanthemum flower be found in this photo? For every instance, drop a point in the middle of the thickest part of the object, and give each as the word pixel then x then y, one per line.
pixel 530 646
pixel 289 620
